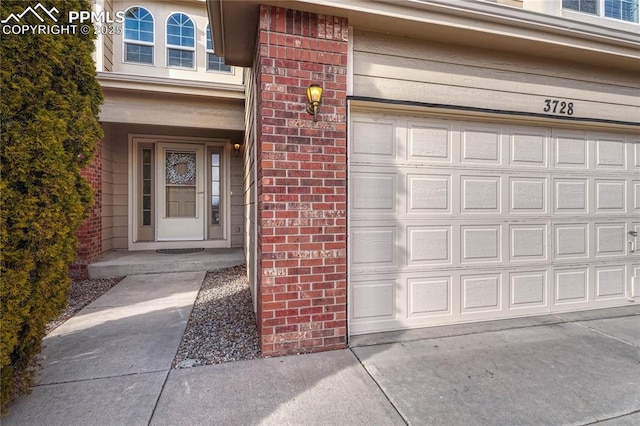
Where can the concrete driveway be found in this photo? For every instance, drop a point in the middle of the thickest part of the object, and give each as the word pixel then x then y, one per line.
pixel 557 374
pixel 111 365
pixel 577 369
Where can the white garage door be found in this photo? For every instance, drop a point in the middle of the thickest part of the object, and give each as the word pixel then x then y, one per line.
pixel 454 221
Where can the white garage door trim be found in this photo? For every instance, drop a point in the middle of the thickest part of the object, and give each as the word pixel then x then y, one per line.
pixel 456 221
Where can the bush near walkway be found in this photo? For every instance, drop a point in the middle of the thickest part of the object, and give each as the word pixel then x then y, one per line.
pixel 49 108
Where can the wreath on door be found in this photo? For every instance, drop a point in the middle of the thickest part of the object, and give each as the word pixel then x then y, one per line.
pixel 179 177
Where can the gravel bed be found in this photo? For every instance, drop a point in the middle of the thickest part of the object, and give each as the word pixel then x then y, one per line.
pixel 222 325
pixel 81 294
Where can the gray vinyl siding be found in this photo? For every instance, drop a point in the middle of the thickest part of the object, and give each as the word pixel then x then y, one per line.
pixel 250 183
pixel 404 69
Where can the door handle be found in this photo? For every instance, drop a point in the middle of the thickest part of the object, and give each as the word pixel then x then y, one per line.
pixel 632 247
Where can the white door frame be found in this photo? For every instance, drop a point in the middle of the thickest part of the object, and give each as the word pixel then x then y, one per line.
pixel 179 228
pixel 133 173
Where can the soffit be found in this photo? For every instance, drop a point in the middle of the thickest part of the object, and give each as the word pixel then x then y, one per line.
pixel 163 85
pixel 479 24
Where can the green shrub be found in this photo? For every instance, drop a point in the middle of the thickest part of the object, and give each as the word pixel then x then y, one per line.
pixel 49 105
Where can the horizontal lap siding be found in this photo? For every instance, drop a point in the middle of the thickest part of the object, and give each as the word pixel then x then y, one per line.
pixel 436 73
pixel 249 179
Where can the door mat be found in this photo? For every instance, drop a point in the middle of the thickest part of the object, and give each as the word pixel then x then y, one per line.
pixel 179 251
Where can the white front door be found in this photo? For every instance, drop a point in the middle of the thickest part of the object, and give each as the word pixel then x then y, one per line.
pixel 180 188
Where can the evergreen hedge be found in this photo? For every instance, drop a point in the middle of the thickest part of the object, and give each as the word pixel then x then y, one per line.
pixel 49 104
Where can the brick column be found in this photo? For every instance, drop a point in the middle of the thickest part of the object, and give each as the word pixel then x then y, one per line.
pixel 302 192
pixel 90 233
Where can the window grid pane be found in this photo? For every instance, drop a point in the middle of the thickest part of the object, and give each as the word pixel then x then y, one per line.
pixel 138 53
pixel 180 33
pixel 138 25
pixel 180 58
pixel 586 6
pixel 215 63
pixel 209 42
pixel 180 30
pixel 625 10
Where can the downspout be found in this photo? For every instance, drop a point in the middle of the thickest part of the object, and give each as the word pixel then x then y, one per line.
pixel 214 10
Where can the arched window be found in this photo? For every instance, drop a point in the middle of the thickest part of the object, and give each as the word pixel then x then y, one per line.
pixel 138 35
pixel 214 62
pixel 181 41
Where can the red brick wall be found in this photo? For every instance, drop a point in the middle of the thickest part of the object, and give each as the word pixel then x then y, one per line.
pixel 90 233
pixel 302 191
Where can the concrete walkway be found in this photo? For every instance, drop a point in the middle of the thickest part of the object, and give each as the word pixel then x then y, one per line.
pixel 108 364
pixel 111 365
pixel 122 263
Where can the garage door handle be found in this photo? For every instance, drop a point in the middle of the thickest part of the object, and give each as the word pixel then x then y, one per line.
pixel 633 246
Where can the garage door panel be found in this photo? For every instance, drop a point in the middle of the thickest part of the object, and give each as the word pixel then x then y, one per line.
pixel 455 221
pixel 374 247
pixel 480 243
pixel 529 148
pixel 374 139
pixel 611 154
pixel 429 142
pixel 571 241
pixel 570 195
pixel 429 297
pixel 632 241
pixel 481 194
pixel 528 195
pixel 429 194
pixel 374 300
pixel 610 282
pixel 636 195
pixel 374 192
pixel 571 286
pixel 481 145
pixel 528 242
pixel 481 293
pixel 528 289
pixel 429 245
pixel 611 239
pixel 435 243
pixel 611 196
pixel 571 152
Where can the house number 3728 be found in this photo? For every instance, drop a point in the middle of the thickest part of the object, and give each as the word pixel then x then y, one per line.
pixel 556 106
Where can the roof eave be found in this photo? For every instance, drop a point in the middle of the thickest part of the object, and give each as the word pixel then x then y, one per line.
pixel 480 24
pixel 234 42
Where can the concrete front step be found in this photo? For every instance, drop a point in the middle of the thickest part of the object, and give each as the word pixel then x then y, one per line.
pixel 125 263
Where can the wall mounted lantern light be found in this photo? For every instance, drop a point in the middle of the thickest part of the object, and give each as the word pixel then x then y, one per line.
pixel 236 147
pixel 314 95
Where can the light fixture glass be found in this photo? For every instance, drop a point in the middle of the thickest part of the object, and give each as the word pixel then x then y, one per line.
pixel 236 147
pixel 314 96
